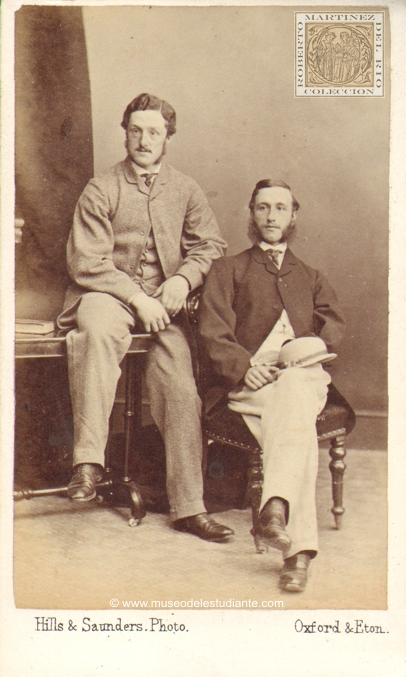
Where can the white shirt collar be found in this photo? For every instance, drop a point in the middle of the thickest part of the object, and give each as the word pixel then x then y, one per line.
pixel 266 246
pixel 141 170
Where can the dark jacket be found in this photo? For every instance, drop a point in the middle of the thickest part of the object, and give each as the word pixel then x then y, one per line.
pixel 242 300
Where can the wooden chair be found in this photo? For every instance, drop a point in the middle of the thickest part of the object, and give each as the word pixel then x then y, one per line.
pixel 228 428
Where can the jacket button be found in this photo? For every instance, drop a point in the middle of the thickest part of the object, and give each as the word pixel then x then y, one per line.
pixel 142 233
pixel 280 279
pixel 275 306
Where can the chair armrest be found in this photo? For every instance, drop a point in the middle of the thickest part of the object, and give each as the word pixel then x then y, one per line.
pixel 192 314
pixel 192 307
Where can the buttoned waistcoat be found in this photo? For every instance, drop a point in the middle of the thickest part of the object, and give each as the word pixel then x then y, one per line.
pixel 243 298
pixel 105 247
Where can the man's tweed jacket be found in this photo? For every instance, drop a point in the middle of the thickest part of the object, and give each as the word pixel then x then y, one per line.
pixel 107 239
pixel 242 300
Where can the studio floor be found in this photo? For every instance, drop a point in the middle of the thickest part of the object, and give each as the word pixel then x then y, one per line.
pixel 80 557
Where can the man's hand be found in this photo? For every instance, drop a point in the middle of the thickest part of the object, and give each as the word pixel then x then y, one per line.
pixel 173 294
pixel 151 312
pixel 257 377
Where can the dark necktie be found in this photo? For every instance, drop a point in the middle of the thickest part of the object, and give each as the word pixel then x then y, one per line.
pixel 274 255
pixel 148 178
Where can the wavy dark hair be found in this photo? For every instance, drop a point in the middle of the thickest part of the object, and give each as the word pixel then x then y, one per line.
pixel 253 232
pixel 150 102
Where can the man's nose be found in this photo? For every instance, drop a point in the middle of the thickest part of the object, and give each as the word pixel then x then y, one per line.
pixel 144 139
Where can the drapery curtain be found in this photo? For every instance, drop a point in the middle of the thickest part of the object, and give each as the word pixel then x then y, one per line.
pixel 54 161
pixel 54 149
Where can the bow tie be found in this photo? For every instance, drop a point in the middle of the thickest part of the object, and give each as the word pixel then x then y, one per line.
pixel 148 178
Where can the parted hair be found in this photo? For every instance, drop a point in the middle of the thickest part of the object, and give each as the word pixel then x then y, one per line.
pixel 149 102
pixel 253 232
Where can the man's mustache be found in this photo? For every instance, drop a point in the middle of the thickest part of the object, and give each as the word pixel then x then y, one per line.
pixel 141 149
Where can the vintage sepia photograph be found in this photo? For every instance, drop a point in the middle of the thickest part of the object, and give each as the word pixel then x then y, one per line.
pixel 91 82
pixel 201 302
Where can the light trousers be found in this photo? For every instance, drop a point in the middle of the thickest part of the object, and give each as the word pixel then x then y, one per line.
pixel 282 416
pixel 96 347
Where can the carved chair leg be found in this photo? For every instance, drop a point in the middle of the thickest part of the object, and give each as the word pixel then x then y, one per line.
pixel 337 468
pixel 255 479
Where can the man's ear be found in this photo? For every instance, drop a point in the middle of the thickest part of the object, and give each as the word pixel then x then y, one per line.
pixel 168 138
pixel 293 220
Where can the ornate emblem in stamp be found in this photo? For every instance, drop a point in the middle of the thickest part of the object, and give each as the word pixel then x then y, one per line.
pixel 339 54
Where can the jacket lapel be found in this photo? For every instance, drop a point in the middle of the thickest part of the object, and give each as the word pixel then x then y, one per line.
pixel 131 176
pixel 262 257
pixel 160 182
pixel 129 172
pixel 289 260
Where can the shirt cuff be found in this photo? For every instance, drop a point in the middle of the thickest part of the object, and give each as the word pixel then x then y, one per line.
pixel 185 278
pixel 192 275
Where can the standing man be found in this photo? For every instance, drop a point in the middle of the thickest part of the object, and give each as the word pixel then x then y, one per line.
pixel 143 236
pixel 252 304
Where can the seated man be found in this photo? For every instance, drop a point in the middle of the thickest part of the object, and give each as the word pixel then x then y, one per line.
pixel 251 305
pixel 143 236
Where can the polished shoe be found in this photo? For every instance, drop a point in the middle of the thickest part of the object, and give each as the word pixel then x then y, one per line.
pixel 294 573
pixel 82 486
pixel 271 528
pixel 204 527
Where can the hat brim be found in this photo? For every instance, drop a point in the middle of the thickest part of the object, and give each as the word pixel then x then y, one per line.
pixel 318 360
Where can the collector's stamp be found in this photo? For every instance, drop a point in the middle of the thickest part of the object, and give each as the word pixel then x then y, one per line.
pixel 339 54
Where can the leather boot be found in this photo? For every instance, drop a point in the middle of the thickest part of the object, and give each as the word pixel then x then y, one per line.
pixel 272 525
pixel 294 573
pixel 82 486
pixel 204 527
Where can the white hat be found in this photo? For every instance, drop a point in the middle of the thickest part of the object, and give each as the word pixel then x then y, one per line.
pixel 303 352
